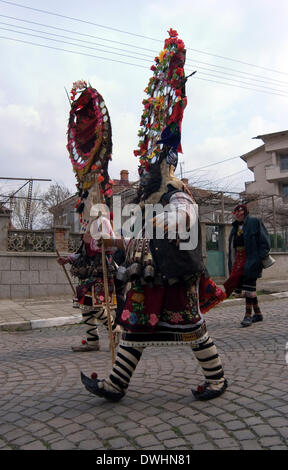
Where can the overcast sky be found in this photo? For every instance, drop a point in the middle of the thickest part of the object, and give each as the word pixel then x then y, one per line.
pixel 219 121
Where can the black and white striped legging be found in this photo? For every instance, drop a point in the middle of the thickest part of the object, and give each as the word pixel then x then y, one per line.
pixel 91 319
pixel 128 357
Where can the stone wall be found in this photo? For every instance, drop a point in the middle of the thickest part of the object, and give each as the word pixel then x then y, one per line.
pixel 279 270
pixel 4 226
pixel 32 275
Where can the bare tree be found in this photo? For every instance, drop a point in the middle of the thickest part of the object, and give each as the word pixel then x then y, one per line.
pixel 22 207
pixel 55 194
pixel 36 207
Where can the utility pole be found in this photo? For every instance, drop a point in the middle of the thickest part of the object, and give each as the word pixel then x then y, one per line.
pixel 222 207
pixel 29 181
pixel 28 206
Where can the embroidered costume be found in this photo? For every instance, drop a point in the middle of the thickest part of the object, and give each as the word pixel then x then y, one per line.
pixel 90 147
pixel 162 306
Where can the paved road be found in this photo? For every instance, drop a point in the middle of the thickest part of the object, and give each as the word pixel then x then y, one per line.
pixel 43 404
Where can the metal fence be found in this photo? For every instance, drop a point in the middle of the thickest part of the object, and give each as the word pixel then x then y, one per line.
pixel 31 240
pixel 39 241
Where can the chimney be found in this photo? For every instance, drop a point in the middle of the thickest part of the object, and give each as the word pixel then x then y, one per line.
pixel 124 177
pixel 185 181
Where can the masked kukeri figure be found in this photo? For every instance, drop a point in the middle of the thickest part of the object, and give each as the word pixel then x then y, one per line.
pixel 90 147
pixel 170 288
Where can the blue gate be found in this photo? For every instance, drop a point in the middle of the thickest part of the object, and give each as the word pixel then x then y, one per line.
pixel 215 261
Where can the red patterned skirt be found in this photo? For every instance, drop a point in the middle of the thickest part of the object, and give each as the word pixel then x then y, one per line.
pixel 235 279
pixel 176 307
pixel 92 293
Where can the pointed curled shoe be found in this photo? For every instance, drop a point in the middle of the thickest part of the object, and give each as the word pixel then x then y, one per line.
pixel 204 393
pixel 92 385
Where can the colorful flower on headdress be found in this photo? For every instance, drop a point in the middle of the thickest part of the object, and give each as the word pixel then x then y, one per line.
pixel 89 143
pixel 166 98
pixel 109 193
pixel 79 85
pixel 172 33
pixel 100 178
pixel 162 55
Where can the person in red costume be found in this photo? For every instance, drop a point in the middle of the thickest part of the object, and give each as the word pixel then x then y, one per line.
pixel 163 304
pixel 87 267
pixel 249 246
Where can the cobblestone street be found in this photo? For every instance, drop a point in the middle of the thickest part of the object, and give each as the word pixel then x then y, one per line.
pixel 43 404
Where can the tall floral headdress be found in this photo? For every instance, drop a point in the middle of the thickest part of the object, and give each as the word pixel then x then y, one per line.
pixel 90 146
pixel 160 126
pixel 164 106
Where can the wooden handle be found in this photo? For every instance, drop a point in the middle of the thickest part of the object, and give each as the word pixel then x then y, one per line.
pixel 67 275
pixel 105 281
pixel 106 291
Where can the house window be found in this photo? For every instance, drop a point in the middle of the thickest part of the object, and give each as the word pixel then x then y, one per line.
pixel 284 162
pixel 285 190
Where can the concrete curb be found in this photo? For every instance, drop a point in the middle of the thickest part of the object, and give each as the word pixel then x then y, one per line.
pixel 76 319
pixel 59 321
pixel 37 324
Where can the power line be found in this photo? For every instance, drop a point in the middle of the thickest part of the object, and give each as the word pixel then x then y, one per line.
pixel 18 197
pixel 232 174
pixel 195 65
pixel 73 44
pixel 117 53
pixel 126 63
pixel 77 32
pixel 238 71
pixel 23 179
pixel 210 164
pixel 267 80
pixel 139 35
pixel 239 86
pixel 237 172
pixel 80 20
pixel 237 60
pixel 125 50
pixel 73 52
pixel 240 81
pixel 67 37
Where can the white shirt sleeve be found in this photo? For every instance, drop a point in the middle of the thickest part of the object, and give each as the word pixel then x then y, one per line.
pixel 101 228
pixel 186 213
pixel 179 216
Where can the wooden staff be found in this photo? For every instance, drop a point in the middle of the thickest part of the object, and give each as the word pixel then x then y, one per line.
pixel 105 281
pixel 67 275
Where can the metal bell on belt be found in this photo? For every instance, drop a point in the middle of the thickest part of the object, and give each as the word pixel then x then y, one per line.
pixel 149 273
pixel 135 271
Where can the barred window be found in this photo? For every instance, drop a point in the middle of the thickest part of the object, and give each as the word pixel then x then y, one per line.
pixel 284 162
pixel 285 190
